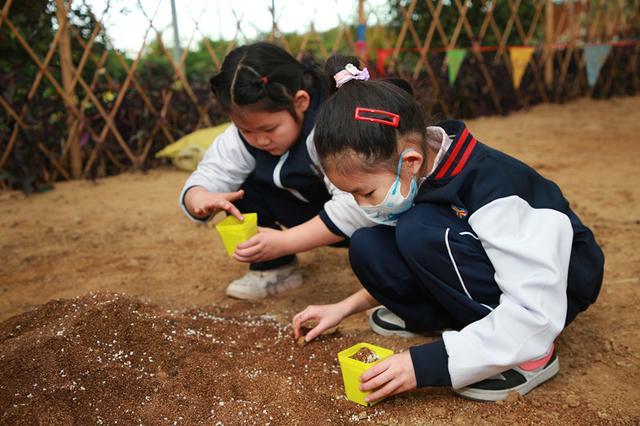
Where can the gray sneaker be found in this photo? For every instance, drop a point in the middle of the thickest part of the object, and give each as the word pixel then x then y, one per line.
pixel 386 323
pixel 260 284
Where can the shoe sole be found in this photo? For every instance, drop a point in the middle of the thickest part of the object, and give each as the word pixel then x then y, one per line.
pixel 238 294
pixel 384 332
pixel 523 389
pixel 289 283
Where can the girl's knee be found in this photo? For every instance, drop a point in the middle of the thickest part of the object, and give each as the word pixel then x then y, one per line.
pixel 417 232
pixel 368 244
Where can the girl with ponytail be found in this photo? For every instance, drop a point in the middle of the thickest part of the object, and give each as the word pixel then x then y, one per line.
pixel 265 162
pixel 471 243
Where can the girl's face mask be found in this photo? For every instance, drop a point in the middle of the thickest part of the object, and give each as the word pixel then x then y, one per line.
pixel 394 204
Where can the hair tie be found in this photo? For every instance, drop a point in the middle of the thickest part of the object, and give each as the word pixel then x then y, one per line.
pixel 350 72
pixel 264 79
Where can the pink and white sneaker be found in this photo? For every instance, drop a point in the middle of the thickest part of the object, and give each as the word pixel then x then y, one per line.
pixel 521 379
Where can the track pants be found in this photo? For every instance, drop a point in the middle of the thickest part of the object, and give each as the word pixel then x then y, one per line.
pixel 431 269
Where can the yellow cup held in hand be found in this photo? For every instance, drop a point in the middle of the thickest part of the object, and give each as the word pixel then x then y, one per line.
pixel 233 232
pixel 352 369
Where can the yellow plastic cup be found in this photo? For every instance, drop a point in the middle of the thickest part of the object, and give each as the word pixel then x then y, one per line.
pixel 352 369
pixel 234 232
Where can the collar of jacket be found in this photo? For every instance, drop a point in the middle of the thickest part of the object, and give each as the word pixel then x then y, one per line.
pixel 457 156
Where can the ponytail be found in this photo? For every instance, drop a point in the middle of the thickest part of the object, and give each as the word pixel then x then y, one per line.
pixel 339 136
pixel 337 63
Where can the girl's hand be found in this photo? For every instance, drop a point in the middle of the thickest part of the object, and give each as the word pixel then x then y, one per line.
pixel 266 245
pixel 391 376
pixel 327 316
pixel 202 203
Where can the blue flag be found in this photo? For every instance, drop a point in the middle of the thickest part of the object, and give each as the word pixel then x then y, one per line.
pixel 596 56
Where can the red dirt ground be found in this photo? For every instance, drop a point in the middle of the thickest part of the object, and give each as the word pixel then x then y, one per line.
pixel 139 329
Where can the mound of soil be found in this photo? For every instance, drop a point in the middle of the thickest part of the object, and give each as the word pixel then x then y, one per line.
pixel 106 358
pixel 126 234
pixel 365 355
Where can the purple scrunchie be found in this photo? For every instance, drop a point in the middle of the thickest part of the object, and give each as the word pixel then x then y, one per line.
pixel 350 72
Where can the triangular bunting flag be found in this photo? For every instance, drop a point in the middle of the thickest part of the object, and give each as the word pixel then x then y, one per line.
pixel 455 58
pixel 520 57
pixel 596 56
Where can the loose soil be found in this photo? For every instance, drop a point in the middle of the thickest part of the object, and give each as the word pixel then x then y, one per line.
pixel 365 355
pixel 113 309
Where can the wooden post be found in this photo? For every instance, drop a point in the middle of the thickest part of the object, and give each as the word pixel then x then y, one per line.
pixel 66 63
pixel 549 39
pixel 361 39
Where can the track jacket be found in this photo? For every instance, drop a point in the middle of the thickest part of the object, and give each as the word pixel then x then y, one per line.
pixel 230 160
pixel 539 248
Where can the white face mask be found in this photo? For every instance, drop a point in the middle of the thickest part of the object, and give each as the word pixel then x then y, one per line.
pixel 394 204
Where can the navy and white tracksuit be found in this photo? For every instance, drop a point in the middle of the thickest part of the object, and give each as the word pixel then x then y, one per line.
pixel 492 251
pixel 284 190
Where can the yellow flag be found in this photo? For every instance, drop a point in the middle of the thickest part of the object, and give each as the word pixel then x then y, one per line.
pixel 520 57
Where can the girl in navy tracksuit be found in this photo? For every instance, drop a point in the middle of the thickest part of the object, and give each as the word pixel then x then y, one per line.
pixel 470 240
pixel 266 163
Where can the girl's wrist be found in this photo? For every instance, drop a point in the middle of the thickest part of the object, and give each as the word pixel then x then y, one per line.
pixel 347 307
pixel 287 242
pixel 189 199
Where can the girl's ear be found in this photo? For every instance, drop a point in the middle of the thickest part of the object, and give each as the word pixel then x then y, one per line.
pixel 412 158
pixel 413 161
pixel 301 101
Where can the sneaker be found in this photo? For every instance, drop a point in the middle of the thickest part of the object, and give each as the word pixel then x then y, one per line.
pixel 386 323
pixel 260 284
pixel 521 379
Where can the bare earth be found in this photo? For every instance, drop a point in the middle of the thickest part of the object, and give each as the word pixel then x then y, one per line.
pixel 160 343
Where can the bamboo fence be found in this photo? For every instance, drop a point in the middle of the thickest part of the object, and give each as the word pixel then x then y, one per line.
pixel 94 142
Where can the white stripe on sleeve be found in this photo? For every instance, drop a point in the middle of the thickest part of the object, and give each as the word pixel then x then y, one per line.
pixel 224 167
pixel 530 250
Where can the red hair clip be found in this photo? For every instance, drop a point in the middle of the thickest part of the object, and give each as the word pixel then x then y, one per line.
pixel 393 121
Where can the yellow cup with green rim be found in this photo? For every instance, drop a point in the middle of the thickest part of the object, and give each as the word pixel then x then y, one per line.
pixel 233 232
pixel 352 369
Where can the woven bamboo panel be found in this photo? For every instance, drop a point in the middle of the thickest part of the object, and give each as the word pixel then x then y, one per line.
pixel 109 121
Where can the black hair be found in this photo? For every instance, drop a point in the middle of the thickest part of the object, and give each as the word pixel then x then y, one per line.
pixel 265 77
pixel 335 64
pixel 338 135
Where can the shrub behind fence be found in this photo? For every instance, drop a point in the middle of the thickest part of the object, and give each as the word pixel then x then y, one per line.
pixel 71 106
